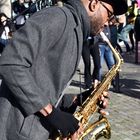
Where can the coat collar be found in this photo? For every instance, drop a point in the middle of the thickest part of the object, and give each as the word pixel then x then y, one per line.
pixel 77 8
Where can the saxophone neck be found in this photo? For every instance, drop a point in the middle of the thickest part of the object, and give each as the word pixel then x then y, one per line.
pixel 118 57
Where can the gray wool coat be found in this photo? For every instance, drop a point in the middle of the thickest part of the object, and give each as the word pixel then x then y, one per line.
pixel 36 66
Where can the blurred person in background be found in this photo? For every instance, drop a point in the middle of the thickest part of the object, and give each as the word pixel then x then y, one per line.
pixel 32 8
pixel 5 7
pixel 122 33
pixel 91 50
pixel 131 16
pixel 20 10
pixel 105 52
pixel 137 27
pixel 6 30
pixel 137 33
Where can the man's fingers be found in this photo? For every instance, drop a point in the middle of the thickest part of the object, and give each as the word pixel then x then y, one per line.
pixel 105 103
pixel 103 112
pixel 76 135
pixel 80 130
pixel 103 100
pixel 105 94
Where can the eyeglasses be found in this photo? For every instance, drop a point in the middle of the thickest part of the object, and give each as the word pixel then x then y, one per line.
pixel 111 16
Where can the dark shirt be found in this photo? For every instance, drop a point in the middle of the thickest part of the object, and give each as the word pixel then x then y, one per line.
pixel 19 8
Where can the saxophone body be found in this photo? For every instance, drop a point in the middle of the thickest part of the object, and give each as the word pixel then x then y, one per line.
pixel 94 130
pixel 101 127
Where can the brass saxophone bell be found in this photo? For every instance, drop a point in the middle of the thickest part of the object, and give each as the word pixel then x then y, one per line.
pixel 96 130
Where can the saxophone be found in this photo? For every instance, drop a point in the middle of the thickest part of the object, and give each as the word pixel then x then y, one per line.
pixel 94 130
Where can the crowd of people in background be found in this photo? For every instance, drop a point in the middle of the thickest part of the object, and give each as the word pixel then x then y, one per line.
pixel 7 28
pixel 124 29
pixel 121 31
pixel 13 15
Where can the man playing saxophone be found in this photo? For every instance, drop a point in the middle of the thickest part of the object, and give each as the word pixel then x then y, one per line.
pixel 40 60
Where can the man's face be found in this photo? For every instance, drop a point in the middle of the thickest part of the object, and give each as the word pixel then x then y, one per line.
pixel 100 17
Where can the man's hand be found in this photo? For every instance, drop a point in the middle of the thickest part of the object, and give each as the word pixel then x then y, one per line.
pixel 103 103
pixel 64 122
pixel 103 99
pixel 76 135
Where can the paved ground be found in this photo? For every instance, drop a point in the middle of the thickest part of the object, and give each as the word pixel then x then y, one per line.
pixel 124 106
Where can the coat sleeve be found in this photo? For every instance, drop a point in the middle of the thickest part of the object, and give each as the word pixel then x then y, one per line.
pixel 16 65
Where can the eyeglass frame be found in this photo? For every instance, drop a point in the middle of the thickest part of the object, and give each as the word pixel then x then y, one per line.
pixel 111 16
